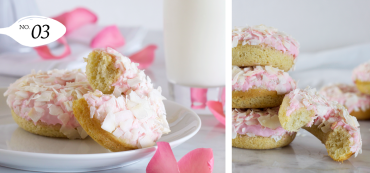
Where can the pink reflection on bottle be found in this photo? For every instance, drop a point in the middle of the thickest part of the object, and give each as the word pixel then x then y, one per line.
pixel 222 96
pixel 198 98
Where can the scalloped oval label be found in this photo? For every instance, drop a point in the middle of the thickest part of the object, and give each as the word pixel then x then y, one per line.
pixel 33 31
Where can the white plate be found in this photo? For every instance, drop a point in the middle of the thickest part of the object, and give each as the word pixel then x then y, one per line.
pixel 22 150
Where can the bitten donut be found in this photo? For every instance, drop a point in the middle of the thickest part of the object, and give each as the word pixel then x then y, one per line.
pixel 41 103
pixel 357 103
pixel 264 46
pixel 361 77
pixel 259 129
pixel 112 73
pixel 329 121
pixel 133 116
pixel 260 87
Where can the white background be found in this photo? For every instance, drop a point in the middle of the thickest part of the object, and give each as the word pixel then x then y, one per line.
pixel 146 13
pixel 316 24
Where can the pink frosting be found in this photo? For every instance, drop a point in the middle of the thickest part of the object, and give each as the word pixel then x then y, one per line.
pixel 258 122
pixel 347 95
pixel 267 77
pixel 131 77
pixel 362 72
pixel 329 114
pixel 130 118
pixel 48 97
pixel 265 36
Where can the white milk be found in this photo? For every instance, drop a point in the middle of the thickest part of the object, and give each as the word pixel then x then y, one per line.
pixel 194 39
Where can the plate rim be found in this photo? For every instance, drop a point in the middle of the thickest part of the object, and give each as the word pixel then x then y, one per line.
pixel 110 154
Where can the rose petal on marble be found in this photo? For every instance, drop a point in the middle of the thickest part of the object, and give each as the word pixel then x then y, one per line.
pixel 45 52
pixel 163 160
pixel 198 98
pixel 217 110
pixel 76 18
pixel 144 57
pixel 198 160
pixel 108 37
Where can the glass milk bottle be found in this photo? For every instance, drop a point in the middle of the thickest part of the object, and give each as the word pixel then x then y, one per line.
pixel 194 39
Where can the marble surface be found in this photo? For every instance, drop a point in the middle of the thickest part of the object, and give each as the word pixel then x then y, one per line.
pixel 211 134
pixel 305 154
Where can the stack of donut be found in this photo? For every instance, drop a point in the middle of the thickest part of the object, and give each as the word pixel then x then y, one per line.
pixel 114 103
pixel 261 57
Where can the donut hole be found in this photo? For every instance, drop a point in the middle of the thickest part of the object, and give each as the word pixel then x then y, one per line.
pixel 101 72
pixel 338 144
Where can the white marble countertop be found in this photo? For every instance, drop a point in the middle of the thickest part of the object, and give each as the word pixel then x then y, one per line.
pixel 305 154
pixel 211 134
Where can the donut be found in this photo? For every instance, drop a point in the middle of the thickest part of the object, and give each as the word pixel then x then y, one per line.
pixel 264 46
pixel 128 115
pixel 259 129
pixel 260 87
pixel 357 103
pixel 361 77
pixel 328 120
pixel 41 103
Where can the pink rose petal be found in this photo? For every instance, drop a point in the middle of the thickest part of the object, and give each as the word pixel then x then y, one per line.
pixel 144 57
pixel 217 110
pixel 163 160
pixel 198 98
pixel 199 160
pixel 108 37
pixel 45 52
pixel 71 20
pixel 76 18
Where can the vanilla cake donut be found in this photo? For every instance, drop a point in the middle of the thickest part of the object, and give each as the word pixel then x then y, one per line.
pixel 133 116
pixel 259 129
pixel 121 123
pixel 41 103
pixel 260 87
pixel 357 103
pixel 262 45
pixel 329 121
pixel 361 77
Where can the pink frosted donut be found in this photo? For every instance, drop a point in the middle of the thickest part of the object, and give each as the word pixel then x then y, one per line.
pixel 327 120
pixel 131 116
pixel 361 77
pixel 357 104
pixel 42 102
pixel 262 45
pixel 259 129
pixel 362 72
pixel 260 87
